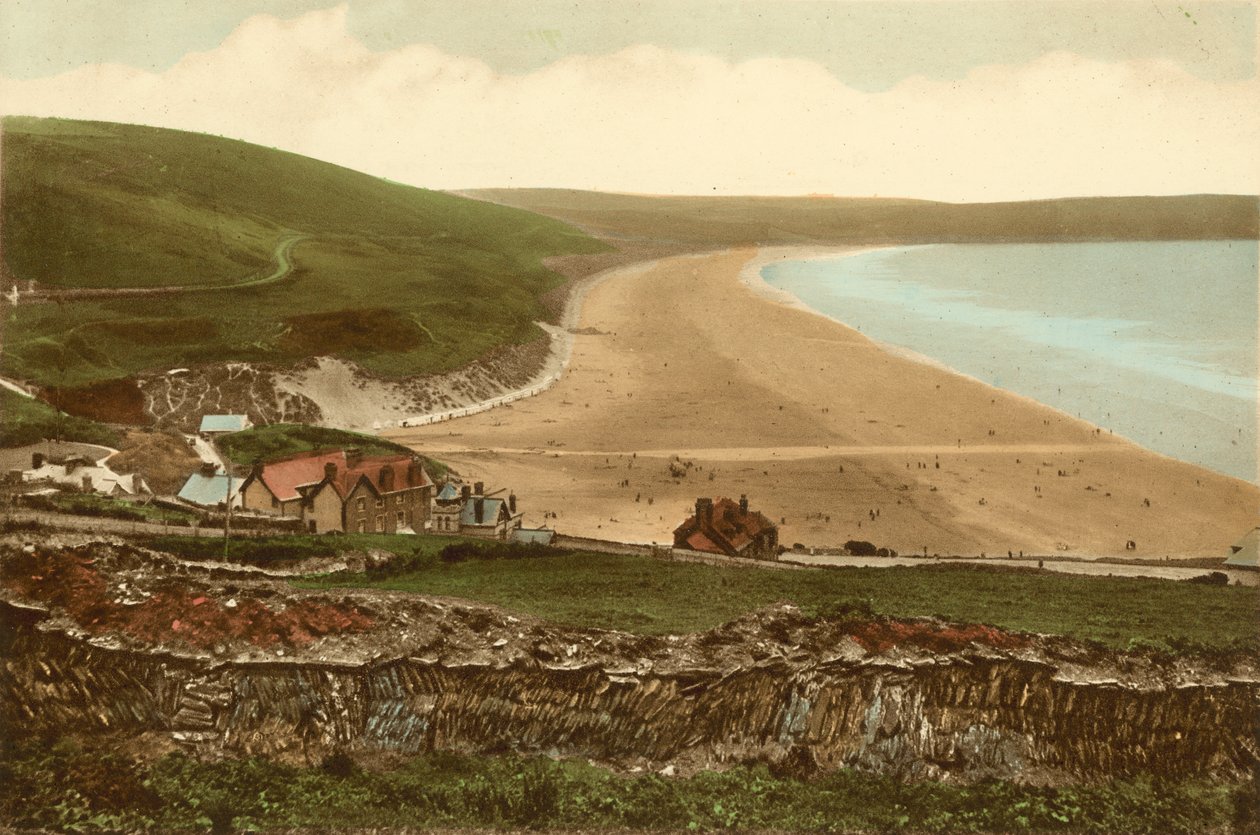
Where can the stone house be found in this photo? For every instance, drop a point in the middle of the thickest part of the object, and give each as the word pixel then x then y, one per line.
pixel 467 511
pixel 341 490
pixel 83 474
pixel 724 527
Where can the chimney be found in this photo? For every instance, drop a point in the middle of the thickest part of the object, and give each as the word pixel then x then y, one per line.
pixel 415 474
pixel 37 460
pixel 465 492
pixel 387 478
pixel 512 503
pixel 353 454
pixel 704 510
pixel 256 468
pixel 330 471
pixel 479 488
pixel 207 469
pixel 479 509
pixel 743 503
pixel 87 484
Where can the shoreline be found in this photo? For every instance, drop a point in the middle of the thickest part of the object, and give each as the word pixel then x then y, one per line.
pixel 752 278
pixel 820 426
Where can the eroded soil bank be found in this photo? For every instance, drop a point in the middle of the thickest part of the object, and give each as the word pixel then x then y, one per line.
pixel 103 637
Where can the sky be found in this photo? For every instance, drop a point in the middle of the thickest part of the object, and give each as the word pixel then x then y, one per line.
pixel 965 101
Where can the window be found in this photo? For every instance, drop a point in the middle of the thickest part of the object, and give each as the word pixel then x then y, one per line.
pixel 398 499
pixel 398 520
pixel 380 503
pixel 362 525
pixel 362 503
pixel 275 502
pixel 380 524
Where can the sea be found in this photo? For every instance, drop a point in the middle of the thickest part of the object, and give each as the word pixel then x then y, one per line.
pixel 1156 341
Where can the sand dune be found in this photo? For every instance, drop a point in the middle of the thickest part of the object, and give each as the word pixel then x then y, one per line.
pixel 683 363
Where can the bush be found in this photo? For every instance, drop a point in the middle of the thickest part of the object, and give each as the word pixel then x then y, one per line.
pixel 860 548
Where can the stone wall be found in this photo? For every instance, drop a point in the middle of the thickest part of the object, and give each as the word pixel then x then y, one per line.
pixel 965 715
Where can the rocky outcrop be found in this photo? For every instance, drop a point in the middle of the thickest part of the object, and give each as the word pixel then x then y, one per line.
pixel 911 698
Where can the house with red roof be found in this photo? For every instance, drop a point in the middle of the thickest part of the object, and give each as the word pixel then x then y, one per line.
pixel 729 528
pixel 341 490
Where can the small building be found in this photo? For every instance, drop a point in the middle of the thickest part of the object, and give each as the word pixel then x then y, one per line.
pixel 341 490
pixel 468 511
pixel 729 528
pixel 83 474
pixel 223 424
pixel 1245 553
pixel 533 536
pixel 210 487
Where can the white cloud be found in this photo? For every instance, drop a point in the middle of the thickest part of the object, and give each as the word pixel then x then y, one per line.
pixel 647 119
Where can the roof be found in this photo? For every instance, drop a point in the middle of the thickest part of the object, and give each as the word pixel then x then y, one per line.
pixel 285 476
pixel 489 513
pixel 208 491
pixel 727 526
pixel 224 423
pixel 1245 553
pixel 104 480
pixel 448 493
pixel 402 476
pixel 699 542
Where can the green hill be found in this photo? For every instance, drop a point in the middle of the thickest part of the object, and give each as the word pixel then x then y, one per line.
pixel 399 279
pixel 732 221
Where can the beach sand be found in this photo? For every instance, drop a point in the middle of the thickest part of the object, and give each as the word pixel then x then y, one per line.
pixel 685 362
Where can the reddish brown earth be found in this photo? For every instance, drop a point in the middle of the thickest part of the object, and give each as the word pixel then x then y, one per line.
pixel 170 612
pixel 109 401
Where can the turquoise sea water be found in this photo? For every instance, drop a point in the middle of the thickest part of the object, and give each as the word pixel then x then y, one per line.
pixel 1156 341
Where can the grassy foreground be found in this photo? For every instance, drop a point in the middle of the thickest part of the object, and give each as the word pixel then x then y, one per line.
pixel 399 279
pixel 60 786
pixel 649 596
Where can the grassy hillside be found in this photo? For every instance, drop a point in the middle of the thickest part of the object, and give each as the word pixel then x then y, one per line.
pixel 264 443
pixel 24 421
pixel 397 278
pixel 789 220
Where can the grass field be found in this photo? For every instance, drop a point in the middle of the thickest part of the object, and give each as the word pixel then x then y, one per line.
pixel 645 595
pixel 25 420
pixel 57 785
pixel 264 443
pixel 399 279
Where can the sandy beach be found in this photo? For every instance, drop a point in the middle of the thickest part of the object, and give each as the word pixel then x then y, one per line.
pixel 689 379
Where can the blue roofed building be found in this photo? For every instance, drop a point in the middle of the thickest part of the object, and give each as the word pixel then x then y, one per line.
pixel 470 512
pixel 223 424
pixel 209 487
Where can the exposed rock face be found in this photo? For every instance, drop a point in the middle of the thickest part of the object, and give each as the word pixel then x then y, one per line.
pixel 179 400
pixel 912 698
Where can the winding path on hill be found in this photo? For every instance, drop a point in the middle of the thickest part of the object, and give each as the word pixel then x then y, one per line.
pixel 281 254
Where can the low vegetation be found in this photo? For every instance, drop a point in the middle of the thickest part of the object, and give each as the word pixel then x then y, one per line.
pixel 91 504
pixel 25 420
pixel 648 596
pixel 399 279
pixel 743 221
pixel 263 443
pixel 57 785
